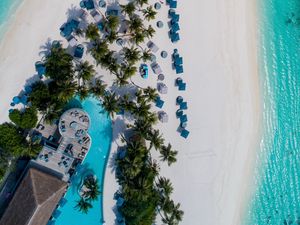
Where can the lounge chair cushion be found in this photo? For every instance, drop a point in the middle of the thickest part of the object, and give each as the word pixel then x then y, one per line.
pixel 183 105
pixel 184 133
pixel 179 69
pixel 159 103
pixel 183 118
pixel 182 87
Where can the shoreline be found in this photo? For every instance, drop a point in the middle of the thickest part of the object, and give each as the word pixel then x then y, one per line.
pixel 13 10
pixel 219 75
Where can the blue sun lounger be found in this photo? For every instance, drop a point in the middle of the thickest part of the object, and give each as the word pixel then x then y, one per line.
pixel 40 68
pixel 179 69
pixel 175 18
pixel 67 29
pixel 174 37
pixel 179 113
pixel 178 61
pixel 183 105
pixel 121 112
pixel 159 103
pixel 89 4
pixel 183 118
pixel 78 53
pixel 184 133
pixel 179 100
pixel 182 87
pixel 174 28
pixel 173 4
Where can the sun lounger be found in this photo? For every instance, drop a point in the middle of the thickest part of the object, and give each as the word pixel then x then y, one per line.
pixel 112 12
pixel 152 46
pixel 72 41
pixel 178 60
pixel 179 100
pixel 78 53
pixel 88 4
pixel 121 112
pixel 174 37
pixel 171 12
pixel 174 18
pixel 179 69
pixel 67 29
pixel 40 68
pixel 183 118
pixel 159 103
pixel 178 81
pixel 97 17
pixel 175 27
pixel 173 4
pixel 156 68
pixel 182 87
pixel 179 113
pixel 184 133
pixel 183 105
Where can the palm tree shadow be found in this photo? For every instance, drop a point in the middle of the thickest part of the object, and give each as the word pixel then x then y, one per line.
pixel 119 127
pixel 46 48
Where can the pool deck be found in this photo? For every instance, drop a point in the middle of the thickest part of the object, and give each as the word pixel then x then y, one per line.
pixel 65 143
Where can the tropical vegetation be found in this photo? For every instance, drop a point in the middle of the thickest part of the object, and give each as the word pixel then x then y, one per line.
pixel 146 194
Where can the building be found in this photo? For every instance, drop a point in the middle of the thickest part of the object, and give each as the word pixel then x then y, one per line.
pixel 34 200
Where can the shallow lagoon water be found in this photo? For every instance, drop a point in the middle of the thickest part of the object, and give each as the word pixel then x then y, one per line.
pixel 277 193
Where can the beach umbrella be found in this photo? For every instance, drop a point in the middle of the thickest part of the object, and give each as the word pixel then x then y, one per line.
pixel 161 77
pixel 163 117
pixel 16 100
pixel 157 5
pixel 162 88
pixel 164 54
pixel 159 24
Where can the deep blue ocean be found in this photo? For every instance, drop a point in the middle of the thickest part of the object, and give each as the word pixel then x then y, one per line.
pixel 276 199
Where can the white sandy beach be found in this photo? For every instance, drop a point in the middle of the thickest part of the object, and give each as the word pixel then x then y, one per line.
pixel 213 175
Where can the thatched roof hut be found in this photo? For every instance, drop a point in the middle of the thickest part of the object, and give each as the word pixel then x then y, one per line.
pixel 34 200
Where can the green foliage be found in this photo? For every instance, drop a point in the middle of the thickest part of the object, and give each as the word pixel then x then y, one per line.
pixel 40 96
pixel 128 9
pixel 26 119
pixel 11 140
pixel 149 13
pixel 112 23
pixel 83 205
pixel 92 32
pixel 59 65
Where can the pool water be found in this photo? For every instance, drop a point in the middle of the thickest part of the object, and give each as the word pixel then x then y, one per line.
pixel 95 162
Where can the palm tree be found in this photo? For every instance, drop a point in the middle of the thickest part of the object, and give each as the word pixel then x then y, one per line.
pixel 83 205
pixel 156 139
pixel 98 88
pixel 128 8
pixel 67 91
pixel 99 51
pixel 112 36
pixel 149 33
pixel 112 23
pixel 138 37
pixel 83 92
pixel 131 55
pixel 149 13
pixel 151 94
pixel 111 104
pixel 92 32
pixel 93 189
pixel 146 55
pixel 85 71
pixel 167 154
pixel 142 127
pixel 141 2
pixel 135 24
pixel 165 185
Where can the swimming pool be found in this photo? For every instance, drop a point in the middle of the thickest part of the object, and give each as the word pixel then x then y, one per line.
pixel 101 134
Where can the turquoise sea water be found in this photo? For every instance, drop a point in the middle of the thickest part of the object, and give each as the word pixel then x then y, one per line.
pixel 277 196
pixel 101 134
pixel 7 10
